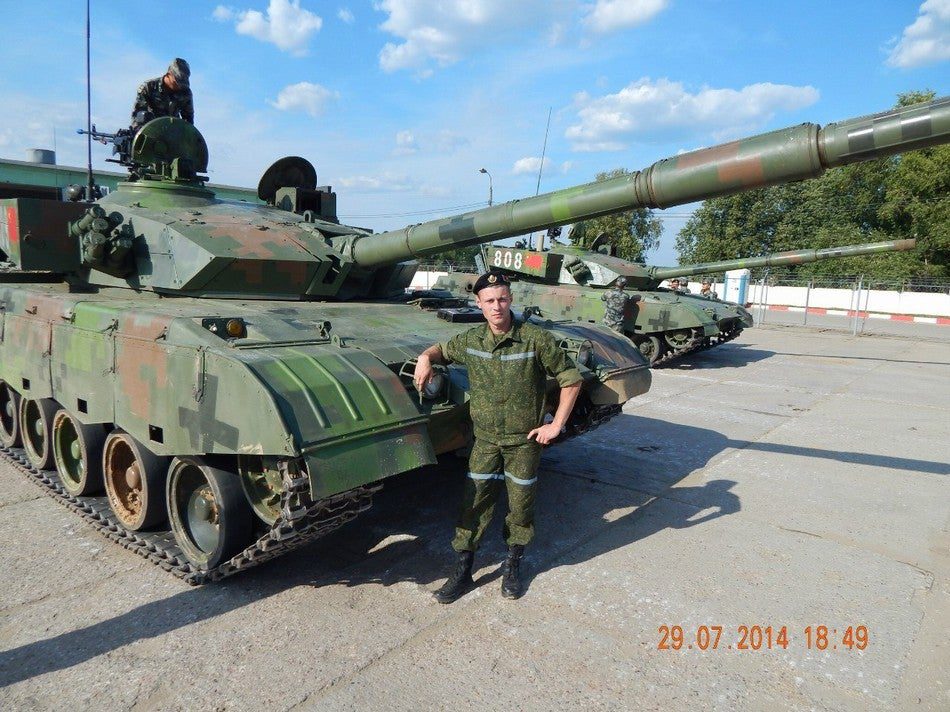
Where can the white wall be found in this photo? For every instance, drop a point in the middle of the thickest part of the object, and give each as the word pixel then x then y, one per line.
pixel 876 301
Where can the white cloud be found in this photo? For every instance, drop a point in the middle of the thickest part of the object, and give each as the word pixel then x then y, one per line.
pixel 612 15
pixel 385 183
pixel 222 13
pixel 286 24
pixel 646 109
pixel 304 96
pixel 442 142
pixel 441 32
pixel 345 15
pixel 927 40
pixel 566 167
pixel 529 165
pixel 448 141
pixel 405 144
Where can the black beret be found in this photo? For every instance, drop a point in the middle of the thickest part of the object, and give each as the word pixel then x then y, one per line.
pixel 491 279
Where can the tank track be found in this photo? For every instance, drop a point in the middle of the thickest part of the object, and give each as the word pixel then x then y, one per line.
pixel 720 340
pixel 670 355
pixel 594 417
pixel 301 521
pixel 697 344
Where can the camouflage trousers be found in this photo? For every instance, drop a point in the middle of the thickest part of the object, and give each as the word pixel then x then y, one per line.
pixel 489 466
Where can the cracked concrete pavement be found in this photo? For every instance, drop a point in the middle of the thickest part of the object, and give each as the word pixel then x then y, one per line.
pixel 794 477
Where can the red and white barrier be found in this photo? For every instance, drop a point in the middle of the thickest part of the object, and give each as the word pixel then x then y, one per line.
pixel 943 320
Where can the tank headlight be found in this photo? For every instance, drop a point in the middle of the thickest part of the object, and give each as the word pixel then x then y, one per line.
pixel 235 327
pixel 433 389
pixel 585 354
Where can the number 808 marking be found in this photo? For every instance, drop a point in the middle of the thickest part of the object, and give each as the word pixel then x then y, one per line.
pixel 507 258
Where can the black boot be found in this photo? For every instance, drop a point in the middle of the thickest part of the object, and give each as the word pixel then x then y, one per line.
pixel 459 582
pixel 511 585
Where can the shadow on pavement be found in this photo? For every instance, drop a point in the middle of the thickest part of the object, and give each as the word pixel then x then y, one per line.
pixel 726 355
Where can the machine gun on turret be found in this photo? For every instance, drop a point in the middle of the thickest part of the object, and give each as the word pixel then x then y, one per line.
pixel 121 142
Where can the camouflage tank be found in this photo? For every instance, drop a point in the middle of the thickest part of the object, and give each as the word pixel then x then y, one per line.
pixel 215 383
pixel 568 282
pixel 244 372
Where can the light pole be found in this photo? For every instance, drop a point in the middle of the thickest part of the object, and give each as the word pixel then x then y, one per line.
pixel 482 170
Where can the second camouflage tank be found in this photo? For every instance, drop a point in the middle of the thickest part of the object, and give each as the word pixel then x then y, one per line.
pixel 568 283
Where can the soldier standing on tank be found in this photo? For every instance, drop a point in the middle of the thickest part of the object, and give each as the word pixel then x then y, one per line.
pixel 168 95
pixel 508 364
pixel 615 305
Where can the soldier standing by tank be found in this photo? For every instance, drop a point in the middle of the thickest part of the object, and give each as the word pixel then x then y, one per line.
pixel 168 95
pixel 508 365
pixel 615 305
pixel 706 289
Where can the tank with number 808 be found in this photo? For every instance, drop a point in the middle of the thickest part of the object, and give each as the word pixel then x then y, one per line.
pixel 567 282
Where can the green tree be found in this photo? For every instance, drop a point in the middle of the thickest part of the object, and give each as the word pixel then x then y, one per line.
pixel 632 233
pixel 890 198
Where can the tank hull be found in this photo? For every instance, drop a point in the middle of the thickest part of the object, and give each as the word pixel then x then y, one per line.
pixel 304 374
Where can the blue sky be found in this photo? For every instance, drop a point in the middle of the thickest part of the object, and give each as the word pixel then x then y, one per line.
pixel 398 103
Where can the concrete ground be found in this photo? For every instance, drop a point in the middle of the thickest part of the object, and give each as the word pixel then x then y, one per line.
pixel 791 478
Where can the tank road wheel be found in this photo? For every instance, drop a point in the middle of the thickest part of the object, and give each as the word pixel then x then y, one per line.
pixel 77 450
pixel 208 512
pixel 9 416
pixel 262 485
pixel 36 420
pixel 679 339
pixel 135 481
pixel 650 347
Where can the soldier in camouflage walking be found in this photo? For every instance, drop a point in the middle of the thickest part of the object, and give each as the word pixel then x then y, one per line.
pixel 168 95
pixel 615 305
pixel 508 365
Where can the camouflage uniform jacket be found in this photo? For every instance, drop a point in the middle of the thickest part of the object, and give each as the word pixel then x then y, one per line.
pixel 156 99
pixel 615 308
pixel 508 375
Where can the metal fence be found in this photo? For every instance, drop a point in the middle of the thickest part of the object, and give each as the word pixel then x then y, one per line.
pixel 785 278
pixel 859 286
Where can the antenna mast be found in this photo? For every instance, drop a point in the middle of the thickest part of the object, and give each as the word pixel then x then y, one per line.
pixel 90 185
pixel 537 190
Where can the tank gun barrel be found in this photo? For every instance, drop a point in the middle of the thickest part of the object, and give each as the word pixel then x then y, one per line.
pixel 793 257
pixel 789 154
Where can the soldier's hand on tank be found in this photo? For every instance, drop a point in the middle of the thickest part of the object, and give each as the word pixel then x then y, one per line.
pixel 423 372
pixel 545 434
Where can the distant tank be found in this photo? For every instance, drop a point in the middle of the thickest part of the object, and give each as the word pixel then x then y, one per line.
pixel 568 282
pixel 238 378
pixel 215 383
